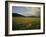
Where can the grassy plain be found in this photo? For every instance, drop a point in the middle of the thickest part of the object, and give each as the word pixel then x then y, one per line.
pixel 25 23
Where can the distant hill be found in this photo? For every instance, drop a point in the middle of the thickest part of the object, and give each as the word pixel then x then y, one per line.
pixel 34 16
pixel 17 15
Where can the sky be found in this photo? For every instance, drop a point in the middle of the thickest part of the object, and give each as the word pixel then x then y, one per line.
pixel 26 11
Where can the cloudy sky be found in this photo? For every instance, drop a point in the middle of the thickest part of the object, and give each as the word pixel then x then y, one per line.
pixel 26 11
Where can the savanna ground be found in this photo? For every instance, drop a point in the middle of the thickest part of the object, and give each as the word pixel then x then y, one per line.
pixel 25 23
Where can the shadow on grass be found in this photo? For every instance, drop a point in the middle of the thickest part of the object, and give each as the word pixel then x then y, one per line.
pixel 34 25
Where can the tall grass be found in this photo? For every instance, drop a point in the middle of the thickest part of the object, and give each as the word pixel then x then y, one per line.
pixel 25 23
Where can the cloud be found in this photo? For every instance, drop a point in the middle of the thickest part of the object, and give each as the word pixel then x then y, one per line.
pixel 36 11
pixel 26 11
